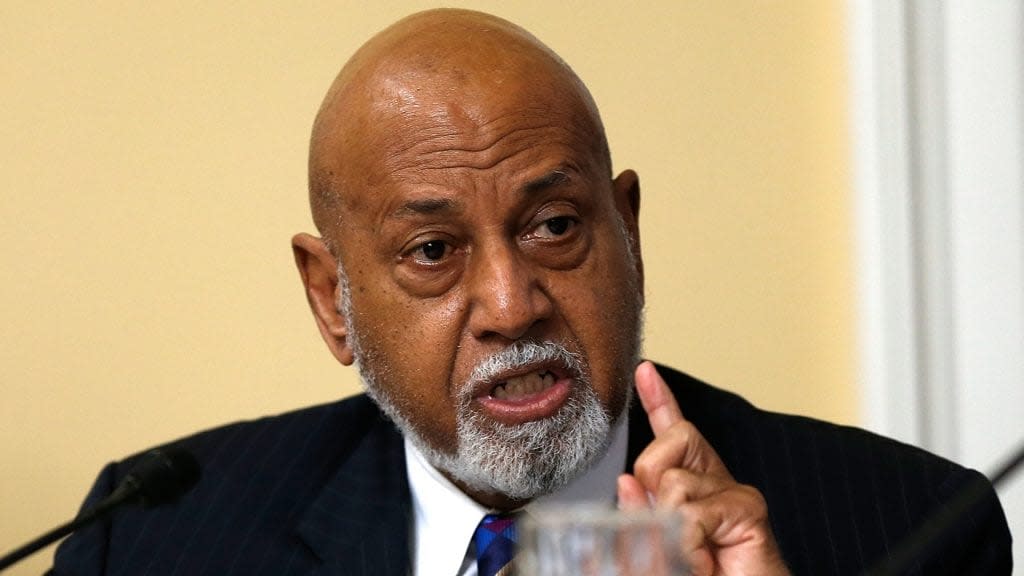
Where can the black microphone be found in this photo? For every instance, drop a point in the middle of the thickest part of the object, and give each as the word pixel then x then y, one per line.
pixel 160 477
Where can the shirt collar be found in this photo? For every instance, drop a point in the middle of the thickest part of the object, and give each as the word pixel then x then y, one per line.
pixel 445 518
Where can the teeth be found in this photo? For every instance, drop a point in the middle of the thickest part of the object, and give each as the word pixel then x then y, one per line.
pixel 524 385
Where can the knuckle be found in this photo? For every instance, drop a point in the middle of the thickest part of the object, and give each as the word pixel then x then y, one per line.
pixel 677 476
pixel 684 429
pixel 644 469
pixel 753 500
pixel 678 486
pixel 672 475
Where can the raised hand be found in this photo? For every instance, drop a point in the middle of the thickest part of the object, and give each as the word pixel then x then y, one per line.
pixel 725 524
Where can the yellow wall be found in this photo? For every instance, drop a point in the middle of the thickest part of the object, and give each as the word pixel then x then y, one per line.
pixel 153 170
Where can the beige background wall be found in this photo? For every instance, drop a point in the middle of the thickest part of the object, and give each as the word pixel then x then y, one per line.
pixel 153 170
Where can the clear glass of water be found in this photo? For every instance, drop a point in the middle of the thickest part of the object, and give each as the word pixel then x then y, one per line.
pixel 595 540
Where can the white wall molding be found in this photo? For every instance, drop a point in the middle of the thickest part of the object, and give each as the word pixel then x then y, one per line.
pixel 938 127
pixel 881 127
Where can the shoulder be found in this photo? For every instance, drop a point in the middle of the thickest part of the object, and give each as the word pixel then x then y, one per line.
pixel 317 437
pixel 261 482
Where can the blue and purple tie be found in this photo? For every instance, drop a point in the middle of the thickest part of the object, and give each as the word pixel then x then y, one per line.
pixel 495 539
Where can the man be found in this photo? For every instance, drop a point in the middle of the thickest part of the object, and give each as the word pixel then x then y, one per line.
pixel 481 265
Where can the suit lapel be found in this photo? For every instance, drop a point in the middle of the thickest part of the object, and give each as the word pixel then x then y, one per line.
pixel 360 522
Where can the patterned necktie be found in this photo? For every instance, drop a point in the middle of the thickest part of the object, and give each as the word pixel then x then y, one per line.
pixel 495 539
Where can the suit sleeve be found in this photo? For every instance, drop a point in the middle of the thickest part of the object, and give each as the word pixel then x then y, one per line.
pixel 84 553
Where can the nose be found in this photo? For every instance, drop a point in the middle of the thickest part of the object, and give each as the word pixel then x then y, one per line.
pixel 506 296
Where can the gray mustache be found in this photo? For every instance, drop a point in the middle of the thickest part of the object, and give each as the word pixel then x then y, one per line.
pixel 524 353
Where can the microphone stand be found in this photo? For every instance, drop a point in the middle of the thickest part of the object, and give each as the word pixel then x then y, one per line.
pixel 915 546
pixel 98 512
pixel 161 476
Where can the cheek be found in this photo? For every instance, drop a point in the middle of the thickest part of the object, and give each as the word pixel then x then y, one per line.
pixel 601 305
pixel 409 345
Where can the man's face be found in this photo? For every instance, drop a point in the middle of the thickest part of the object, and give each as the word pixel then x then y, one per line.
pixel 491 283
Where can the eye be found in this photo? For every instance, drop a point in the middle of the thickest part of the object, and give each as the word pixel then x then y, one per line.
pixel 432 251
pixel 429 264
pixel 554 227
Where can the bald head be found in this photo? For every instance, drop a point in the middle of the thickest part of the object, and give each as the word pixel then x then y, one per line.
pixel 438 74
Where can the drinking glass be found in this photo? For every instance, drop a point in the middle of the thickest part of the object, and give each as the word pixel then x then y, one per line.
pixel 594 540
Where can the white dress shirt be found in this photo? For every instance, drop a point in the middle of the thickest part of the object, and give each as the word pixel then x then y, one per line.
pixel 445 518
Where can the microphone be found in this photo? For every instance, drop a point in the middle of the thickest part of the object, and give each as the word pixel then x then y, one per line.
pixel 160 477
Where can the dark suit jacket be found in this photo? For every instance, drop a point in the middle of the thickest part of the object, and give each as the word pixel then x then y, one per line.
pixel 323 491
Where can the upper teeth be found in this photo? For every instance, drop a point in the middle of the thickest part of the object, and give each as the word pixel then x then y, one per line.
pixel 530 383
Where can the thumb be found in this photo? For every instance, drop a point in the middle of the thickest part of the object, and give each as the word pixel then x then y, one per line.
pixel 632 495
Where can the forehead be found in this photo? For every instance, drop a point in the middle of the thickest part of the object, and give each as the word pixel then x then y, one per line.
pixel 478 134
pixel 452 125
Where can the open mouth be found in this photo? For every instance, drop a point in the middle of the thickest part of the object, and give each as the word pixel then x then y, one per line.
pixel 524 385
pixel 532 395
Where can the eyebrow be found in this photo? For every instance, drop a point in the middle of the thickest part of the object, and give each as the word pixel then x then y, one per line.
pixel 425 206
pixel 421 206
pixel 550 180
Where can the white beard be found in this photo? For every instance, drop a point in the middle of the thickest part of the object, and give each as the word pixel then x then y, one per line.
pixel 520 461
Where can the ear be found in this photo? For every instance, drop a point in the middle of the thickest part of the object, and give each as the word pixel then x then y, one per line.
pixel 319 271
pixel 626 187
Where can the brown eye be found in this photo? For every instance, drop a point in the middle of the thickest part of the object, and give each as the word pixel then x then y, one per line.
pixel 558 238
pixel 554 227
pixel 433 251
pixel 558 226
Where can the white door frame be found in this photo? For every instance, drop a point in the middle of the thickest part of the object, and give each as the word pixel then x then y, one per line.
pixel 938 128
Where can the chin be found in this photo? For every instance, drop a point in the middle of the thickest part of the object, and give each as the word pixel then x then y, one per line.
pixel 527 460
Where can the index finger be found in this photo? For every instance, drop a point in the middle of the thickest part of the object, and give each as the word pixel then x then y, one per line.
pixel 658 401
